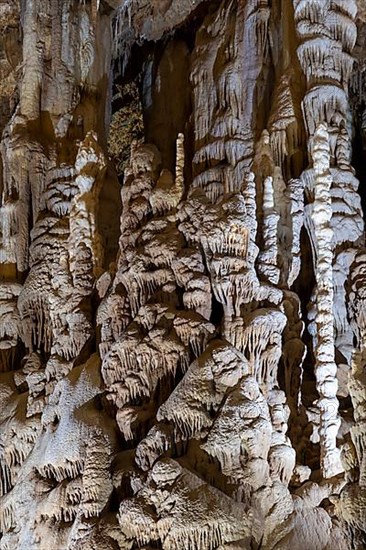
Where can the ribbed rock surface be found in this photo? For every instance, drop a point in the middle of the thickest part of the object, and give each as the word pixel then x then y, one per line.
pixel 183 344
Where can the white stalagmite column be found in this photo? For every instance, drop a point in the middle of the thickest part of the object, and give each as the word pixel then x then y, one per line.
pixel 325 368
pixel 268 257
pixel 179 164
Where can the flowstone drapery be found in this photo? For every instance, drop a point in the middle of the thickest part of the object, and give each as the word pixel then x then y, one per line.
pixel 182 346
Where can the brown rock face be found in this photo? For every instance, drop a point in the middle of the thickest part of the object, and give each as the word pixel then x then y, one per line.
pixel 182 275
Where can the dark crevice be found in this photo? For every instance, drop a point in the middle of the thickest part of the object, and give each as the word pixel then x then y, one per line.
pixel 217 312
pixel 358 162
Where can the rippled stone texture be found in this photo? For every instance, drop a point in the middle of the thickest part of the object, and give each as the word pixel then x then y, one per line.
pixel 182 326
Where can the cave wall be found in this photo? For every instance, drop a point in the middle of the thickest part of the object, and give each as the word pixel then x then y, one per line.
pixel 182 334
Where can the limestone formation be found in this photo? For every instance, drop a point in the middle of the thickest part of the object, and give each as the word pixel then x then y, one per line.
pixel 182 275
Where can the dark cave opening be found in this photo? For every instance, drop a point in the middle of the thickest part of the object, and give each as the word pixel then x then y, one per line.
pixel 153 92
pixel 358 157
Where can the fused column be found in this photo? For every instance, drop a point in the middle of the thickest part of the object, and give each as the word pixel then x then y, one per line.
pixel 325 368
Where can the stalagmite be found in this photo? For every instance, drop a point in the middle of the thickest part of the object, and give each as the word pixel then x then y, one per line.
pixel 325 368
pixel 268 257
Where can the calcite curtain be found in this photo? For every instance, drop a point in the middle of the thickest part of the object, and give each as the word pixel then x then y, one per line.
pixel 182 274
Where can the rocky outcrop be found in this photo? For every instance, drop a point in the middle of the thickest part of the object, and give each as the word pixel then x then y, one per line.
pixel 182 328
